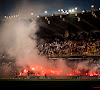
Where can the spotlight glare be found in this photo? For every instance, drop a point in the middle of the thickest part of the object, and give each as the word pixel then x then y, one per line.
pixel 83 11
pixel 75 8
pixel 59 10
pixel 70 10
pixel 92 6
pixel 45 12
pixel 62 10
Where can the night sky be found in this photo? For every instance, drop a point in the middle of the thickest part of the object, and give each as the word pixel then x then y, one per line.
pixel 51 5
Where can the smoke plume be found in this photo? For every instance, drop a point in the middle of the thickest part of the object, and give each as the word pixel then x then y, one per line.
pixel 19 40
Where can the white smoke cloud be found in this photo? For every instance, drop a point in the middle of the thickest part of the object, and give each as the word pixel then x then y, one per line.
pixel 15 40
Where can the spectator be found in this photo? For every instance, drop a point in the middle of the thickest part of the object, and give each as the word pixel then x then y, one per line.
pixel 78 46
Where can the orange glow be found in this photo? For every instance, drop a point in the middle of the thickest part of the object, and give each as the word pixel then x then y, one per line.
pixel 41 71
pixel 33 68
pixel 87 52
pixel 95 74
pixel 91 74
pixel 25 70
pixel 86 74
pixel 70 74
pixel 20 73
pixel 92 6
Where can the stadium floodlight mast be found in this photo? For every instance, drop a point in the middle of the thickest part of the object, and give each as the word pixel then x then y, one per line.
pixel 75 8
pixel 92 6
pixel 66 12
pixel 45 12
pixel 5 16
pixel 76 11
pixel 70 10
pixel 62 10
pixel 58 10
pixel 83 11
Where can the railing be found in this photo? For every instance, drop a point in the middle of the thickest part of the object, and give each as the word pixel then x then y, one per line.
pixel 74 54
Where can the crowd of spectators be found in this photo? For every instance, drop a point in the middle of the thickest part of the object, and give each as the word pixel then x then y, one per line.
pixel 82 44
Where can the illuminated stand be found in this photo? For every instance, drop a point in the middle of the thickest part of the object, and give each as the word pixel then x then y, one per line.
pixel 92 9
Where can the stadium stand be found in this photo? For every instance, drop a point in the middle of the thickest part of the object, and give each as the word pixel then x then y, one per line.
pixel 82 36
